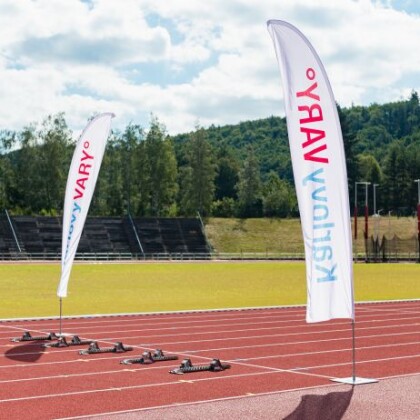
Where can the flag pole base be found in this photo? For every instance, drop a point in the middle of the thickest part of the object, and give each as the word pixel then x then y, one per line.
pixel 355 380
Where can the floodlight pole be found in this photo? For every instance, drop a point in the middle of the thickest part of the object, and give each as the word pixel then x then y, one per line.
pixel 366 208
pixel 355 210
pixel 374 197
pixel 375 214
pixel 418 214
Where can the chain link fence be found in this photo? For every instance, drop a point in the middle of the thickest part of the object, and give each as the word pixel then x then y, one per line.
pixel 392 249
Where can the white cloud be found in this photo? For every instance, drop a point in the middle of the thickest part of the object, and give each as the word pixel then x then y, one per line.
pixel 189 61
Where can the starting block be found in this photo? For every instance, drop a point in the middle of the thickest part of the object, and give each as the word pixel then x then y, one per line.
pixel 187 367
pixel 94 348
pixel 28 337
pixel 62 342
pixel 149 358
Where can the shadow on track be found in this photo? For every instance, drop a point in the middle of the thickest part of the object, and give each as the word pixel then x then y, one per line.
pixel 331 406
pixel 27 352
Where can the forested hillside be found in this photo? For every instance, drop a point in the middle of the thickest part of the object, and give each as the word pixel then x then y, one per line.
pixel 241 170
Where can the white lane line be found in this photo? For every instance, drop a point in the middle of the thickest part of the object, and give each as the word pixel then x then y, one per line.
pixel 292 343
pixel 267 371
pixel 305 326
pixel 178 322
pixel 110 340
pixel 161 384
pixel 233 331
pixel 183 317
pixel 311 333
pixel 271 344
pixel 237 361
pixel 313 353
pixel 385 359
pixel 158 407
pixel 214 313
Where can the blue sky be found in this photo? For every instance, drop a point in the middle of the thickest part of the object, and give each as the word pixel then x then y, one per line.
pixel 192 62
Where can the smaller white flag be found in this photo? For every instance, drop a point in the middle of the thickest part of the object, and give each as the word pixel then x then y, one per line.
pixel 81 181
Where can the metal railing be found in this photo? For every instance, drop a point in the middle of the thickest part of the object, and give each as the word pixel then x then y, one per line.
pixel 187 256
pixel 157 256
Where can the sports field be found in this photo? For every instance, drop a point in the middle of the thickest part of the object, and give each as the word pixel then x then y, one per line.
pixel 280 366
pixel 29 290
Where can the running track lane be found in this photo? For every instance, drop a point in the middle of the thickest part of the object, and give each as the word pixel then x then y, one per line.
pixel 269 349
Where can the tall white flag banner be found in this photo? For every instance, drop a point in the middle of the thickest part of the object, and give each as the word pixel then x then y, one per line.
pixel 319 169
pixel 81 181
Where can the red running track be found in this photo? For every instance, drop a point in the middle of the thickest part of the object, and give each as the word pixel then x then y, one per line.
pixel 270 350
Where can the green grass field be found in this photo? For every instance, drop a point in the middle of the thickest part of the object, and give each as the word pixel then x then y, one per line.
pixel 29 290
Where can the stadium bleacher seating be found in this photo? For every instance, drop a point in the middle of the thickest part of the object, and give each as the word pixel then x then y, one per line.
pixel 8 246
pixel 40 237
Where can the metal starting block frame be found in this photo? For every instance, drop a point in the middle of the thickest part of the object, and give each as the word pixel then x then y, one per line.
pixel 149 358
pixel 62 342
pixel 187 367
pixel 28 337
pixel 94 348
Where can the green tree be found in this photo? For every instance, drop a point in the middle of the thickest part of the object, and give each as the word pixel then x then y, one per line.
pixel 54 139
pixel 249 187
pixel 369 168
pixel 350 141
pixel 398 183
pixel 28 182
pixel 109 193
pixel 7 178
pixel 227 174
pixel 42 166
pixel 279 199
pixel 160 168
pixel 133 161
pixel 198 185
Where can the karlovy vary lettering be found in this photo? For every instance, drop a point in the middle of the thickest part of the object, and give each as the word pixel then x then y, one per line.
pixel 84 173
pixel 313 146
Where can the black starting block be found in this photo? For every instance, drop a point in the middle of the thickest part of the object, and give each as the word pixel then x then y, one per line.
pixel 62 342
pixel 28 337
pixel 94 348
pixel 187 367
pixel 149 358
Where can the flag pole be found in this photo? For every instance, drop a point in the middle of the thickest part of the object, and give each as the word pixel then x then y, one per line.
pixel 354 380
pixel 354 349
pixel 61 314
